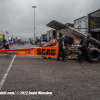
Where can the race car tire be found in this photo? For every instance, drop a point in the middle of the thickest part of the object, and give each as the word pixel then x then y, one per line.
pixel 98 47
pixel 94 54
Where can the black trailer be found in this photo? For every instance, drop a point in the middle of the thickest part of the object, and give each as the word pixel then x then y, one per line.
pixel 43 38
pixel 52 33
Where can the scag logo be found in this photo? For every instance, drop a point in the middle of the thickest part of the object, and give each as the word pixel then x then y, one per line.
pixel 46 51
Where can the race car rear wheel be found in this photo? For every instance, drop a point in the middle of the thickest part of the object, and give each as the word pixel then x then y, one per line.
pixel 94 54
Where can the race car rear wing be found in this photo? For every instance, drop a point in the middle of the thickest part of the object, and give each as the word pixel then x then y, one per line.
pixel 69 31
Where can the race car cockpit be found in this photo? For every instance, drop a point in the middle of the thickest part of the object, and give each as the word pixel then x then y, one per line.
pixel 50 43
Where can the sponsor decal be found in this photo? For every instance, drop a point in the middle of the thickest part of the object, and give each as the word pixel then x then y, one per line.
pixel 68 56
pixel 91 23
pixel 29 52
pixel 22 52
pixel 10 53
pixel 46 51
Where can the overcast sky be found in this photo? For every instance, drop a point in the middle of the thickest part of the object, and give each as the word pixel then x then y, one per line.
pixel 17 16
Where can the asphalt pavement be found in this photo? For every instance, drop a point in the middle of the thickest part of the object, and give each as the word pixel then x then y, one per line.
pixel 34 78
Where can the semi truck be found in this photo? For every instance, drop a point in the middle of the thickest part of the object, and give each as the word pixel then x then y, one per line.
pixel 52 33
pixel 43 38
pixel 56 34
pixel 89 24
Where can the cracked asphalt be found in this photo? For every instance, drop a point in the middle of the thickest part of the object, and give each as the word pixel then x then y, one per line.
pixel 66 80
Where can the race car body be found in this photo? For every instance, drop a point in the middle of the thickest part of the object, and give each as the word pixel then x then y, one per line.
pixel 48 50
pixel 51 49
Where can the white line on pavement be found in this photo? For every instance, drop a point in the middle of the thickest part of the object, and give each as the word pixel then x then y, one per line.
pixel 4 77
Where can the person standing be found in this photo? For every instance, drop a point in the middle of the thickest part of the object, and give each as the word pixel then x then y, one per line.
pixel 86 45
pixel 83 40
pixel 61 48
pixel 4 41
pixel 12 42
pixel 8 42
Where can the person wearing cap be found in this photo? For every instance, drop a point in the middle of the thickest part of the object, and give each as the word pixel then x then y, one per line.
pixel 85 46
pixel 61 48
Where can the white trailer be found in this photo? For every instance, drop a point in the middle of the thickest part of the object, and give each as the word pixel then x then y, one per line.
pixel 81 24
pixel 89 24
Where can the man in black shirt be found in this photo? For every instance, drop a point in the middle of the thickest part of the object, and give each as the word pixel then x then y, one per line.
pixel 6 46
pixel 4 41
pixel 83 40
pixel 61 48
pixel 84 48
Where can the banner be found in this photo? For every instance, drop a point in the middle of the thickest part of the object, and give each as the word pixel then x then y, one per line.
pixel 1 37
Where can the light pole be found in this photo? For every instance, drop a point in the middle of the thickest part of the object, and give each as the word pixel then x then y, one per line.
pixel 34 20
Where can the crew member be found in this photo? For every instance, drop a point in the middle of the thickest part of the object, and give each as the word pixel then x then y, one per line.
pixel 83 40
pixel 61 48
pixel 86 45
pixel 6 46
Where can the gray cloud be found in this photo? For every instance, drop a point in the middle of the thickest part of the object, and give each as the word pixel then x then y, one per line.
pixel 17 16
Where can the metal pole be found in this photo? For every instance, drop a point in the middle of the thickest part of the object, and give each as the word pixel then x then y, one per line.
pixel 34 20
pixel 8 38
pixel 34 23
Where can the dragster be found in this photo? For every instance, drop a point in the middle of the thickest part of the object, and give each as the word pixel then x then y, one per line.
pixel 51 49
